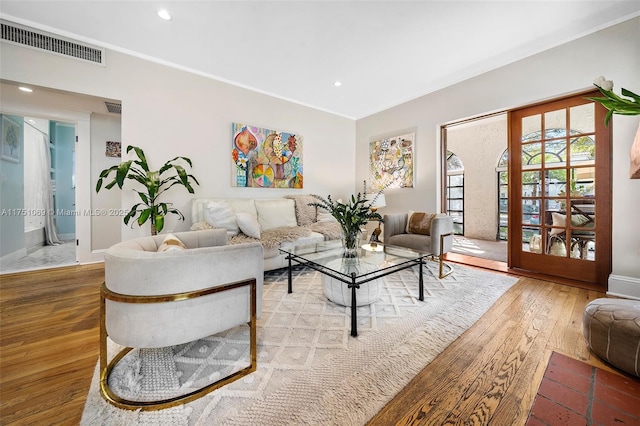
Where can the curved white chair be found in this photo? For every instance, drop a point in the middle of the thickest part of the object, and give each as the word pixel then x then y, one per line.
pixel 156 299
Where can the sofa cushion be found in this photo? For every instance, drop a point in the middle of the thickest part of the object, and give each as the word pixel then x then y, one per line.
pixel 276 213
pixel 171 243
pixel 419 223
pixel 305 214
pixel 248 224
pixel 243 205
pixel 219 214
pixel 412 241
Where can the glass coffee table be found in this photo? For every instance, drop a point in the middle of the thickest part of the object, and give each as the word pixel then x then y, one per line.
pixel 372 263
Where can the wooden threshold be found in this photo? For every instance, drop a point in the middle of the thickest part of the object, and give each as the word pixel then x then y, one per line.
pixel 498 266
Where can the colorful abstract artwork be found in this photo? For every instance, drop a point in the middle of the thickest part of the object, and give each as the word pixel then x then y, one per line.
pixel 113 149
pixel 391 162
pixel 265 158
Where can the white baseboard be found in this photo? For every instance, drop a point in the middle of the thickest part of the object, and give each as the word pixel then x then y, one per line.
pixel 621 286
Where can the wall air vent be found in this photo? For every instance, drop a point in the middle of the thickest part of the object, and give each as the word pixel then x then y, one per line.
pixel 40 40
pixel 113 107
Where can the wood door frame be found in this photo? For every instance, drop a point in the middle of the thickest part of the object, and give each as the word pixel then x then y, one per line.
pixel 593 272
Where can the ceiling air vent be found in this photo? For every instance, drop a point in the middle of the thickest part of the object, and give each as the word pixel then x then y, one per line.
pixel 113 107
pixel 40 40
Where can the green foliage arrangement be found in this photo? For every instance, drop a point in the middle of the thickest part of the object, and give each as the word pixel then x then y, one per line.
pixel 629 105
pixel 154 185
pixel 351 216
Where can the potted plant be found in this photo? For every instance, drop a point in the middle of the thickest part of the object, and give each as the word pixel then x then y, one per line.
pixel 154 185
pixel 352 216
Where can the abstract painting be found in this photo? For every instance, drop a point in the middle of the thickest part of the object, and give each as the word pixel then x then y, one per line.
pixel 113 149
pixel 265 158
pixel 391 162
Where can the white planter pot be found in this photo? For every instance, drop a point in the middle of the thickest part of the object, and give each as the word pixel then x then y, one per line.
pixel 340 293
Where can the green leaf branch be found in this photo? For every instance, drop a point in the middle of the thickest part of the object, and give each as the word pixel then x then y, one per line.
pixel 154 182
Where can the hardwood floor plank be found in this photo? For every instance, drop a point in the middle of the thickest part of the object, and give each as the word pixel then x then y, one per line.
pixel 503 360
pixel 490 375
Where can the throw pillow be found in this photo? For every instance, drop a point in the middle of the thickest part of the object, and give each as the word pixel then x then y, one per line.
pixel 276 213
pixel 248 225
pixel 326 217
pixel 420 223
pixel 581 221
pixel 171 243
pixel 220 215
pixel 577 221
pixel 305 214
pixel 558 219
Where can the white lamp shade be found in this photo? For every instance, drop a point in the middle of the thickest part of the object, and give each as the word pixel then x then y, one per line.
pixel 379 202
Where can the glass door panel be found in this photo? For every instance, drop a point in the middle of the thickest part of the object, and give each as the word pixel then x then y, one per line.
pixel 554 193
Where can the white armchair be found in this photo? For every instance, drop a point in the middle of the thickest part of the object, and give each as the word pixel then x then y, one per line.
pixel 437 241
pixel 156 299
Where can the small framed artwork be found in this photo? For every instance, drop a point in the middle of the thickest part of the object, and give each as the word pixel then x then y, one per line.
pixel 11 140
pixel 391 162
pixel 113 149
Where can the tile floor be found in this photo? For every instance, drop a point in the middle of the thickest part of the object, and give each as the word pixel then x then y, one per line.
pixel 41 257
pixel 575 393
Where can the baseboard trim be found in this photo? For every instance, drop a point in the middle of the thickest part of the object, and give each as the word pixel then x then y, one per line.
pixel 622 286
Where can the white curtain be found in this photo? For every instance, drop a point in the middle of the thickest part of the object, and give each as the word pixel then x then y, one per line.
pixel 44 192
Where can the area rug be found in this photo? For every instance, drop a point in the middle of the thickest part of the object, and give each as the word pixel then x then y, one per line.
pixel 310 370
pixel 573 392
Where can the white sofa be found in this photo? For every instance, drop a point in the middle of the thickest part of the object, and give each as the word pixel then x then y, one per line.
pixel 275 222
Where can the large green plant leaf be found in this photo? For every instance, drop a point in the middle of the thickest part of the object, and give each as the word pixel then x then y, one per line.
pixel 153 183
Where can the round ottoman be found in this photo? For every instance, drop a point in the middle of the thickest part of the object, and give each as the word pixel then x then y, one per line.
pixel 612 330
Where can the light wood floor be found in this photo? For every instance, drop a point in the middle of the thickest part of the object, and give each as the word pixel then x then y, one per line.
pixel 49 348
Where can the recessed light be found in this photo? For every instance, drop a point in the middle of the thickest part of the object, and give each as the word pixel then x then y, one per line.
pixel 337 83
pixel 25 89
pixel 164 15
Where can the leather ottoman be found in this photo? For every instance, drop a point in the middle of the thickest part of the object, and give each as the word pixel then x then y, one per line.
pixel 612 330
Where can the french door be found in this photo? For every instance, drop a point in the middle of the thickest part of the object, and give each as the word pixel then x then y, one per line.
pixel 560 189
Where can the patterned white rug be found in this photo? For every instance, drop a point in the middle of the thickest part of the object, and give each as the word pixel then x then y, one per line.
pixel 310 370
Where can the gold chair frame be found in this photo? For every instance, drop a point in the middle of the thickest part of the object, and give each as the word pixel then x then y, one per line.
pixel 440 258
pixel 106 368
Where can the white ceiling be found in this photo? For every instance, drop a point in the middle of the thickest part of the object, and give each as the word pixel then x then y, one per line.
pixel 383 52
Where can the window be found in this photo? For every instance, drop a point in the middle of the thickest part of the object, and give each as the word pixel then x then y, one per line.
pixel 455 192
pixel 503 196
pixel 582 150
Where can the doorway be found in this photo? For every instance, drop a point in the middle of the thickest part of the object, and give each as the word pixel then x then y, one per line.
pixel 473 150
pixel 45 234
pixel 560 189
pixel 95 124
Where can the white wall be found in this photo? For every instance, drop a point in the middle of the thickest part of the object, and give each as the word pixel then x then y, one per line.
pixel 570 68
pixel 105 229
pixel 169 112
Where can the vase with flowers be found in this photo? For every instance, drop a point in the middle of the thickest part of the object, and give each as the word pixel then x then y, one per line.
pixel 351 216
